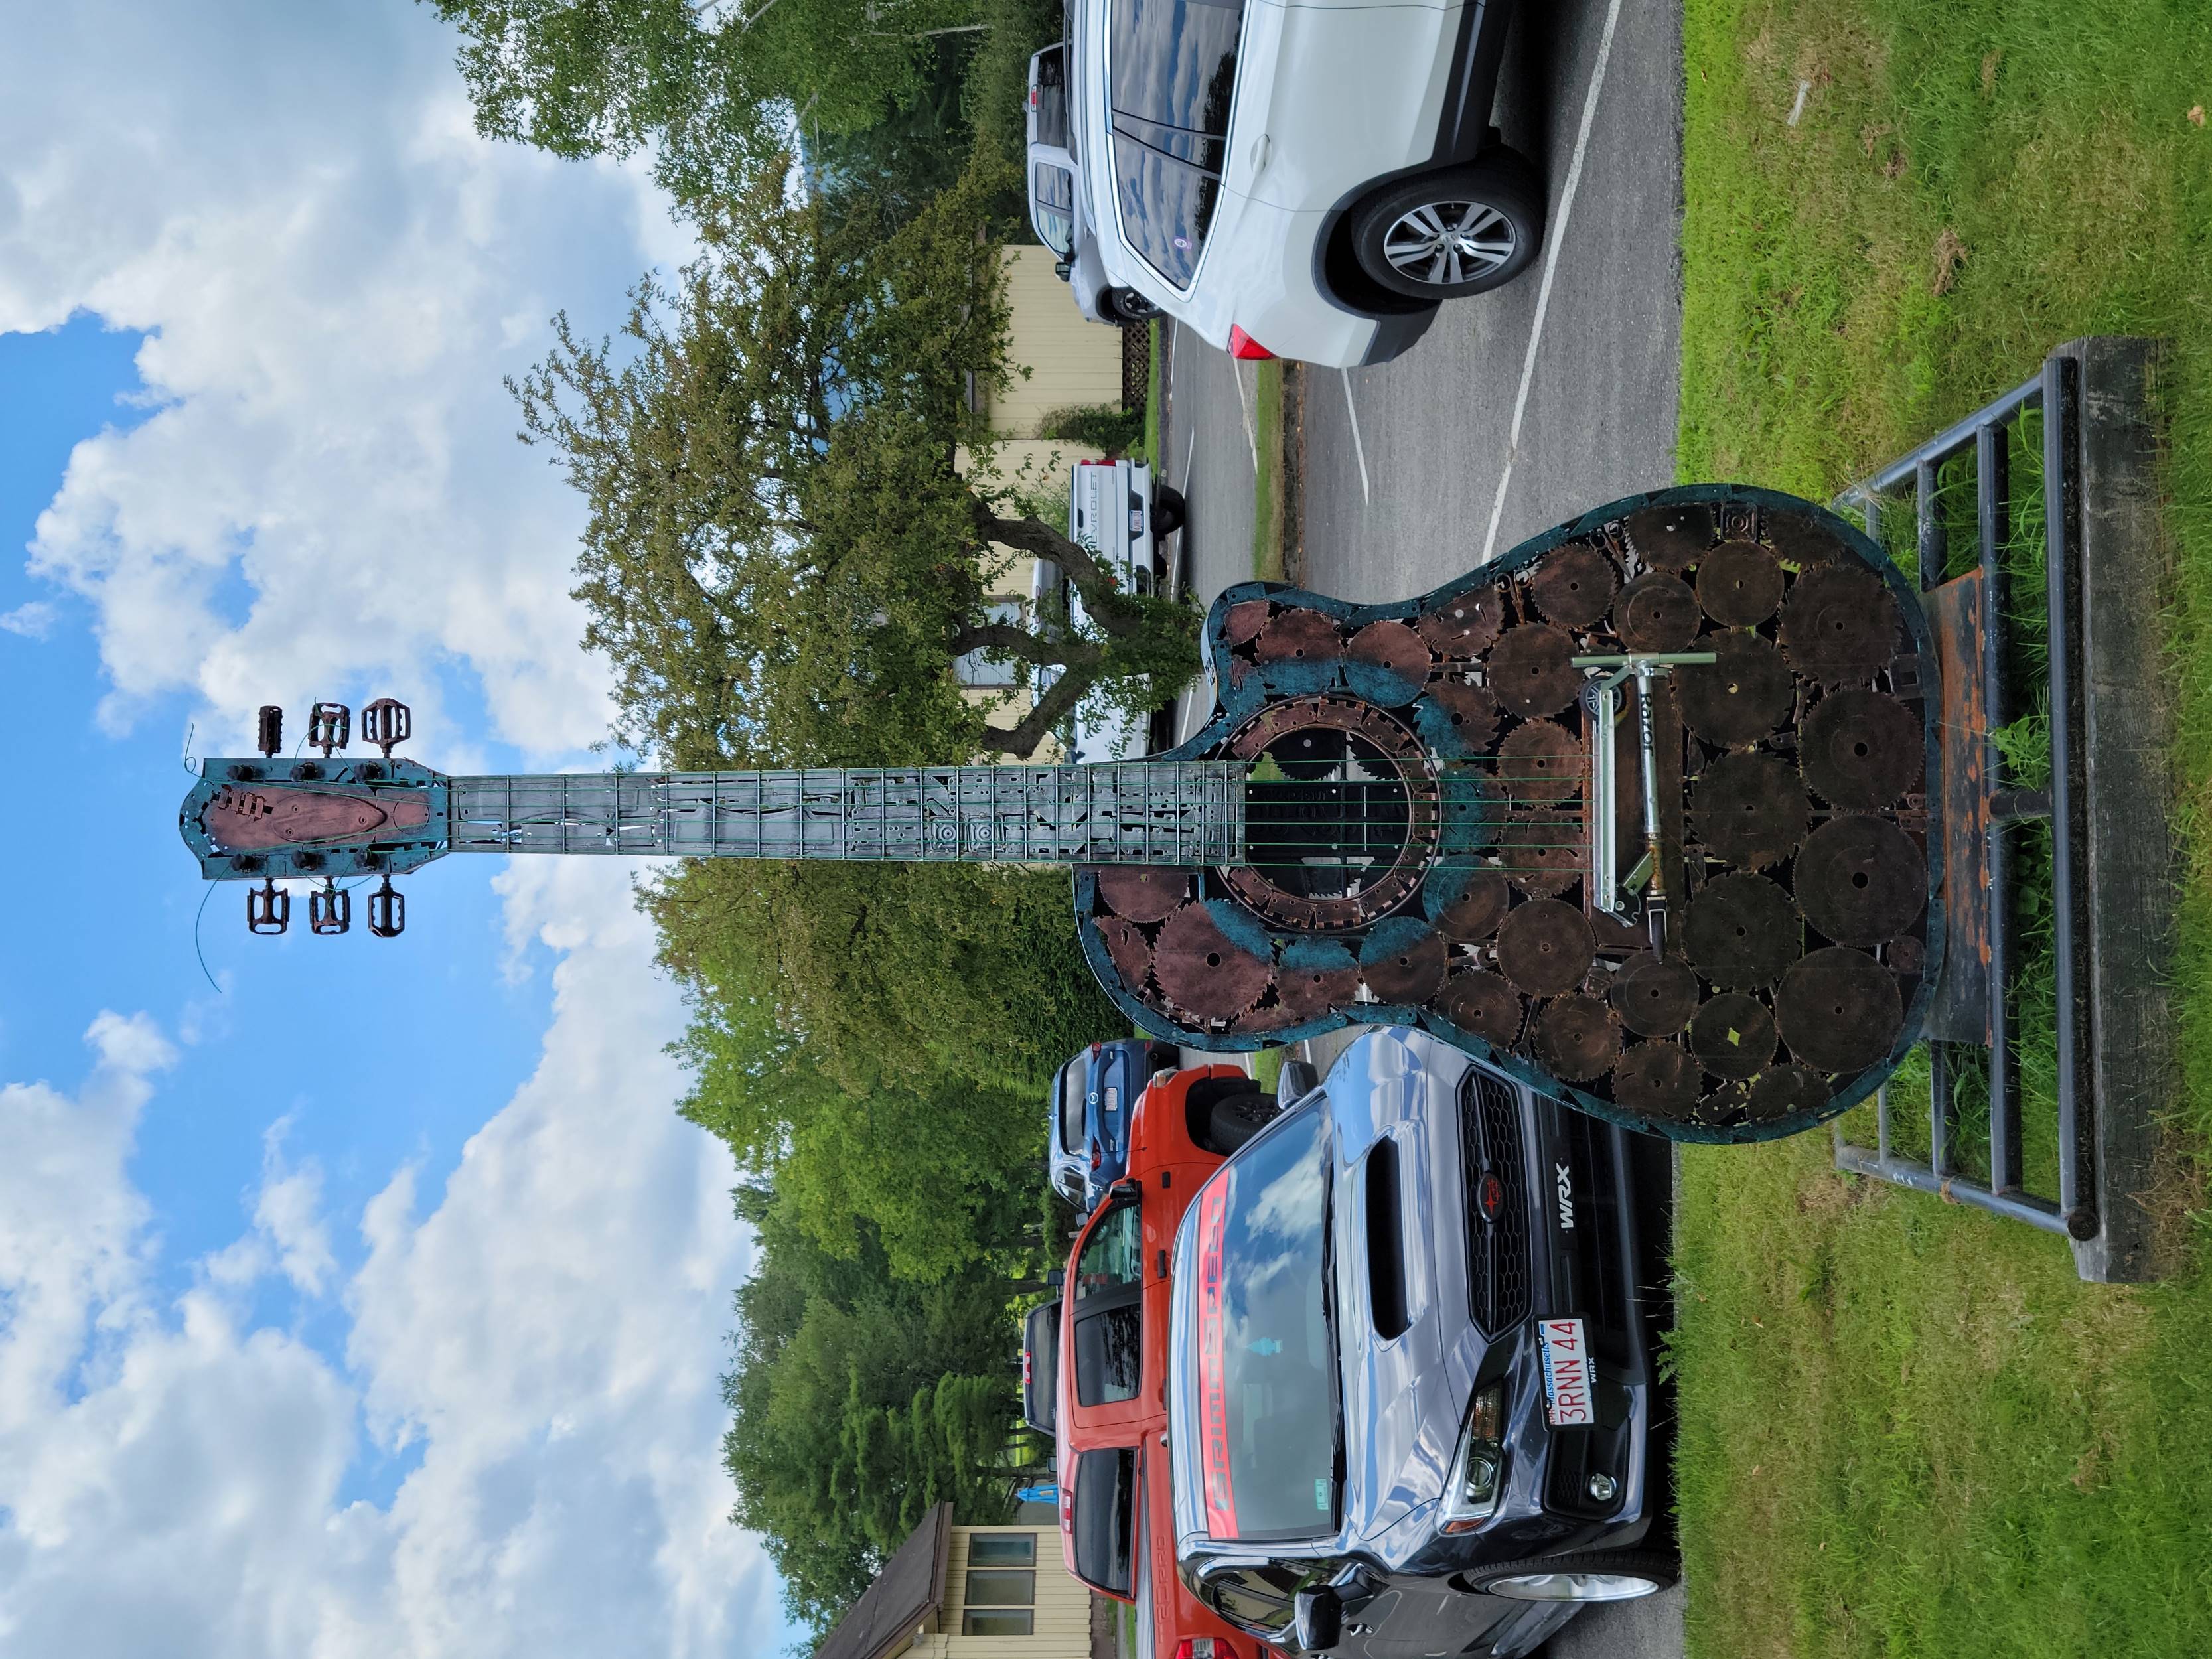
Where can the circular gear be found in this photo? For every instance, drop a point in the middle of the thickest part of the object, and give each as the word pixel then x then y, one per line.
pixel 1572 586
pixel 1139 892
pixel 1410 972
pixel 1783 1091
pixel 1799 539
pixel 1740 696
pixel 1464 627
pixel 1673 536
pixel 1656 994
pixel 1838 1010
pixel 1542 851
pixel 1733 1036
pixel 1656 612
pixel 1840 624
pixel 1202 971
pixel 1529 671
pixel 1659 1079
pixel 1740 584
pixel 1545 947
pixel 1742 931
pixel 1243 622
pixel 1485 1004
pixel 1861 880
pixel 1475 914
pixel 1469 710
pixel 1394 646
pixel 1299 635
pixel 1126 948
pixel 1750 810
pixel 1862 748
pixel 1576 1039
pixel 1310 993
pixel 1257 1021
pixel 1540 761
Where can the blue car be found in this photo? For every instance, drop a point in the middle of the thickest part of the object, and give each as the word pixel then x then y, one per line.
pixel 1092 1100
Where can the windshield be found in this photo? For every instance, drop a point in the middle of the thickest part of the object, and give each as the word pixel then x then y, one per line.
pixel 1073 1084
pixel 1267 1362
pixel 1052 207
pixel 1173 69
pixel 1104 1526
pixel 1048 95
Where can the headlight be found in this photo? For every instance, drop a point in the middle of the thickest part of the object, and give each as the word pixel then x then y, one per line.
pixel 1470 1492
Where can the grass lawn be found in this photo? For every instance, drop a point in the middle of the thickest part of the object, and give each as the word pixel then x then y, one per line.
pixel 1907 1428
pixel 1152 396
pixel 1268 519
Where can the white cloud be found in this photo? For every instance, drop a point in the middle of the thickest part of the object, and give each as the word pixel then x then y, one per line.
pixel 32 620
pixel 547 1336
pixel 327 499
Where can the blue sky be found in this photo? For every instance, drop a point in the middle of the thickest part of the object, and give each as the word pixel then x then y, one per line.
pixel 369 1299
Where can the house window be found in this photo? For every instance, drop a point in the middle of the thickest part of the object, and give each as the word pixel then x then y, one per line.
pixel 1000 1600
pixel 1002 1549
pixel 971 669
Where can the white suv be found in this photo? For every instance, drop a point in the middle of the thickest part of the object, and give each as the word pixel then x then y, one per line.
pixel 1301 180
pixel 1059 209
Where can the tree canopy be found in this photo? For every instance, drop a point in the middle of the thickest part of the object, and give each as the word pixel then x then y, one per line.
pixel 712 88
pixel 859 1401
pixel 784 558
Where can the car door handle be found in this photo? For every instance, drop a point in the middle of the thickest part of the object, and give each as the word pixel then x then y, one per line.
pixel 1260 150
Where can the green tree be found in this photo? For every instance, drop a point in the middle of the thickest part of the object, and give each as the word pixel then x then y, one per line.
pixel 783 558
pixel 859 1401
pixel 711 88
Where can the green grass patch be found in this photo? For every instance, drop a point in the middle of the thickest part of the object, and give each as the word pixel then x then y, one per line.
pixel 1907 1427
pixel 1153 395
pixel 1267 1067
pixel 1267 502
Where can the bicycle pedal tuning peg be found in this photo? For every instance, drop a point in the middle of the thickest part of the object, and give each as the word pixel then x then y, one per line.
pixel 329 727
pixel 388 911
pixel 268 909
pixel 387 723
pixel 269 737
pixel 330 908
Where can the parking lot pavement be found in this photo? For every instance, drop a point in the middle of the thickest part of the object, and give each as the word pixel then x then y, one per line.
pixel 1435 429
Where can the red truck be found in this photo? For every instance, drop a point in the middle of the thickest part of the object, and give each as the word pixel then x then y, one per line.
pixel 1110 1405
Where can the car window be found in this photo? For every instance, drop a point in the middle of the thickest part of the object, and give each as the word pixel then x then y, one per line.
pixel 1108 1356
pixel 1173 61
pixel 1052 207
pixel 1174 78
pixel 1048 95
pixel 974 667
pixel 1073 1086
pixel 1103 1529
pixel 1113 1256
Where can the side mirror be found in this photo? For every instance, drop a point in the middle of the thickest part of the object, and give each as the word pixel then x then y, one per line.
pixel 1063 270
pixel 1318 1616
pixel 1056 1278
pixel 1297 1080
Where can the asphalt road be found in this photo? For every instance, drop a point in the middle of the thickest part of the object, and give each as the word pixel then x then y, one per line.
pixel 1415 471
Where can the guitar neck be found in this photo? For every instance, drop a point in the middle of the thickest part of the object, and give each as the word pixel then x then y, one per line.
pixel 1174 813
pixel 262 818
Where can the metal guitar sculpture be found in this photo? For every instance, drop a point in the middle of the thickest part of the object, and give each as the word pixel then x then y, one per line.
pixel 1641 810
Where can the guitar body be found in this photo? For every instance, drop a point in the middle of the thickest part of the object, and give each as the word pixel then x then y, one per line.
pixel 1419 848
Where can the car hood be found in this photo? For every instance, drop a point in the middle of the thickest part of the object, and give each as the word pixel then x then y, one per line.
pixel 1404 1398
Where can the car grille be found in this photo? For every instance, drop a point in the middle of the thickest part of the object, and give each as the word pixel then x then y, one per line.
pixel 1592 1257
pixel 1491 1142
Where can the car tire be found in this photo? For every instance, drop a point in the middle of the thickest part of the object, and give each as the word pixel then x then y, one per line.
pixel 1168 509
pixel 1475 226
pixel 1605 1575
pixel 1236 1120
pixel 1128 306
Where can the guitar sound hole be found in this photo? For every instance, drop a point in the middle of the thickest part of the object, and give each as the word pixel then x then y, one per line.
pixel 1325 814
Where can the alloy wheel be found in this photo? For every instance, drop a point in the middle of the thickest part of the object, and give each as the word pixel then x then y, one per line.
pixel 1447 243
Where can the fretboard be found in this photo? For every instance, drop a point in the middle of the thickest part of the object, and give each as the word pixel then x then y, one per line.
pixel 1189 812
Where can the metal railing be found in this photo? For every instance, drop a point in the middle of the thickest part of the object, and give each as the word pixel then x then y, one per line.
pixel 1994 1027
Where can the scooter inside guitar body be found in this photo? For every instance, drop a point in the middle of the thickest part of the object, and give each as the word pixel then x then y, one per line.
pixel 1418 835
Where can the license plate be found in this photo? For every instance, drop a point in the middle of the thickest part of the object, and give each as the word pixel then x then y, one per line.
pixel 1136 522
pixel 1569 1375
pixel 1113 1101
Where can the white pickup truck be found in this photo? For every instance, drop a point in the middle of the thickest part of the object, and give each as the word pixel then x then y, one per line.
pixel 1116 512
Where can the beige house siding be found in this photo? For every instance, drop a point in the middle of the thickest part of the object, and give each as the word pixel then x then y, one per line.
pixel 1061 1628
pixel 1070 361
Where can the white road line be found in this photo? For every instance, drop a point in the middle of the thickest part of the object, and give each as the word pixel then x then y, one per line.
pixel 1189 450
pixel 1244 405
pixel 1558 236
pixel 1359 448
